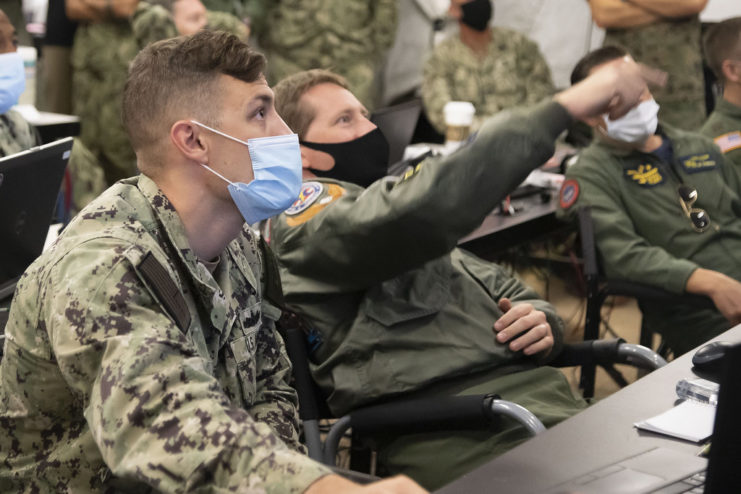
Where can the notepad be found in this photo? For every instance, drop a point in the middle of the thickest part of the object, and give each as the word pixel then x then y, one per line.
pixel 690 420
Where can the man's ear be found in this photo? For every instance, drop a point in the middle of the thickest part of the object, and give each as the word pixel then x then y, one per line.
pixel 188 138
pixel 305 158
pixel 731 70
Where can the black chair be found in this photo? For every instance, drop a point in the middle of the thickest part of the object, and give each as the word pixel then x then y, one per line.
pixel 598 288
pixel 473 412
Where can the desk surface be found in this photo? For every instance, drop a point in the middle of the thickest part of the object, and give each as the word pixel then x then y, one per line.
pixel 534 218
pixel 578 444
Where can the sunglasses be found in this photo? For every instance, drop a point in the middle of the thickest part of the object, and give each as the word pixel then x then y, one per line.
pixel 698 217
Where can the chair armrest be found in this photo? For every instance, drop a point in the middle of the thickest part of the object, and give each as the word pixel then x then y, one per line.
pixel 648 292
pixel 607 352
pixel 429 414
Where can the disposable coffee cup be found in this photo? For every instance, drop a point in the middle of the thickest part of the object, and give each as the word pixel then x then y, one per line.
pixel 458 121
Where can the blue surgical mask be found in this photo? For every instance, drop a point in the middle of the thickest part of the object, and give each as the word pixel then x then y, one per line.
pixel 12 80
pixel 276 165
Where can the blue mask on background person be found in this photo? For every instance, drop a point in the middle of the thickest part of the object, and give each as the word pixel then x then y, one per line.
pixel 276 165
pixel 12 80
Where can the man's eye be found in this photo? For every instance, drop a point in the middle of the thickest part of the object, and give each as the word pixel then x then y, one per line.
pixel 260 113
pixel 343 119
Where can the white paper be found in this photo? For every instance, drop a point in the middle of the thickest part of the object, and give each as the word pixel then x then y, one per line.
pixel 690 420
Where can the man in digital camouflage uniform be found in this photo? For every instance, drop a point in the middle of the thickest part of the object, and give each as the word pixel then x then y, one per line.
pixel 723 51
pixel 666 36
pixel 105 43
pixel 16 134
pixel 371 265
pixel 350 37
pixel 493 68
pixel 141 353
pixel 650 226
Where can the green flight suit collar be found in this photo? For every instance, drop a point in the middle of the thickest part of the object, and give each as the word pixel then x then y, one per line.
pixel 727 108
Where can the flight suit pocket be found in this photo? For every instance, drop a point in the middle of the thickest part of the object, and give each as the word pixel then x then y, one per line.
pixel 412 295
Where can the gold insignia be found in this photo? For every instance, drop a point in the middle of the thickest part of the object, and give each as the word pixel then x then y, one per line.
pixel 332 192
pixel 646 175
pixel 698 162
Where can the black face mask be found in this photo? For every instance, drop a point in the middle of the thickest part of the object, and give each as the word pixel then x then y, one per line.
pixel 361 161
pixel 477 14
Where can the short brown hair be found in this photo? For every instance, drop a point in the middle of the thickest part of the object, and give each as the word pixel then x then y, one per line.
pixel 288 92
pixel 723 42
pixel 176 79
pixel 594 59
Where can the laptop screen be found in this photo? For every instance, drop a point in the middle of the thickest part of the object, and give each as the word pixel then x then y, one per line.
pixel 29 186
pixel 724 465
pixel 397 124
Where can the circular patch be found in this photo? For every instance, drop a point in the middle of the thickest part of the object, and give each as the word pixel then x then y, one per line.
pixel 310 192
pixel 569 193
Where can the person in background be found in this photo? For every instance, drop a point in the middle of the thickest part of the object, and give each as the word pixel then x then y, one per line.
pixel 492 67
pixel 394 307
pixel 350 37
pixel 141 353
pixel 17 135
pixel 723 52
pixel 666 207
pixel 664 34
pixel 108 37
pixel 55 68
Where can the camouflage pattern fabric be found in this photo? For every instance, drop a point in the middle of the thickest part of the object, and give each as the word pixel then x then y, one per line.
pixel 100 58
pixel 513 72
pixel 724 127
pixel 349 37
pixel 16 134
pixel 674 47
pixel 102 392
pixel 88 181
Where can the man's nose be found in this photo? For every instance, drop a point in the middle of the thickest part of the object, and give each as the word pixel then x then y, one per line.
pixel 364 127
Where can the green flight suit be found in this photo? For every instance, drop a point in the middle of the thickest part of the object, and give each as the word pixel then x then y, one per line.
pixel 724 127
pixel 513 72
pixel 400 310
pixel 672 45
pixel 101 391
pixel 643 233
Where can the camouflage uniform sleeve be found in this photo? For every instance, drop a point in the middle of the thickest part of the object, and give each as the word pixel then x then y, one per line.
pixel 16 134
pixel 436 86
pixel 534 71
pixel 384 23
pixel 154 409
pixel 627 255
pixel 152 23
pixel 88 180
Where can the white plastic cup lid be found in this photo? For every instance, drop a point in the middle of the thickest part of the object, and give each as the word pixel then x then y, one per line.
pixel 459 113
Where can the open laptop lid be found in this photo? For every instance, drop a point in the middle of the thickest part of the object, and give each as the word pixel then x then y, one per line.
pixel 29 186
pixel 397 124
pixel 724 466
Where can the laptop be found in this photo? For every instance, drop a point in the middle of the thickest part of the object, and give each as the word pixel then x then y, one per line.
pixel 663 470
pixel 29 187
pixel 397 124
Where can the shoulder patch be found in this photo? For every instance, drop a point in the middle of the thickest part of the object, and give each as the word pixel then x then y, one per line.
pixel 329 193
pixel 697 163
pixel 729 142
pixel 569 193
pixel 310 192
pixel 647 175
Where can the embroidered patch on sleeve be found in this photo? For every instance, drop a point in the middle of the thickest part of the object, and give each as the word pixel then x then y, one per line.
pixel 647 175
pixel 326 195
pixel 569 193
pixel 697 163
pixel 310 192
pixel 729 142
